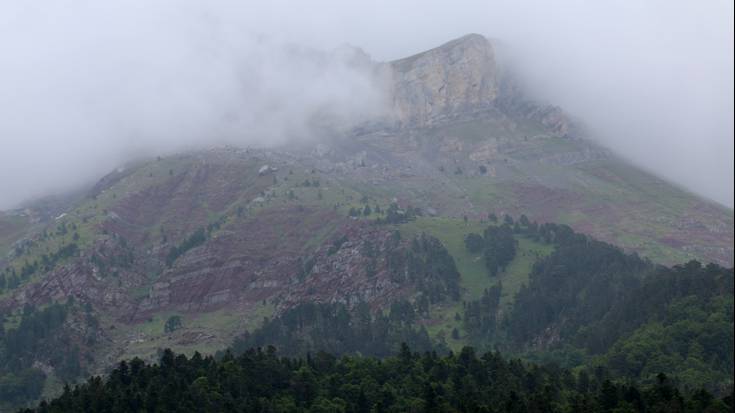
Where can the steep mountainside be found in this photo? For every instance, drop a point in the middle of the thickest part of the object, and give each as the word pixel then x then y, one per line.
pixel 188 251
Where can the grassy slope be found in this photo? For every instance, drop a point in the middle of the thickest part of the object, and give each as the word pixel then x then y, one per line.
pixel 619 212
pixel 51 244
pixel 574 182
pixel 451 232
pixel 12 228
pixel 204 332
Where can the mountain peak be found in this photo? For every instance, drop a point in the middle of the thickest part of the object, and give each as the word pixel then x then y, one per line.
pixel 472 42
pixel 458 76
pixel 468 39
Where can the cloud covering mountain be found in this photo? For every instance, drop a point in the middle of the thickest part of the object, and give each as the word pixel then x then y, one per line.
pixel 87 85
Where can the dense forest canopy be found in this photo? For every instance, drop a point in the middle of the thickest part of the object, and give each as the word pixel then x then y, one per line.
pixel 40 331
pixel 588 305
pixel 260 381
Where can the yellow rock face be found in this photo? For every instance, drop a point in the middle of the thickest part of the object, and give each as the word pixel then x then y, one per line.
pixel 438 83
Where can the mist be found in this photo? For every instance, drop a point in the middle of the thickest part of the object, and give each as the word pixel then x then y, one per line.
pixel 85 85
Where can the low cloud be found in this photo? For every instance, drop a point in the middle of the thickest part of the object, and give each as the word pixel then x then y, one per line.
pixel 85 85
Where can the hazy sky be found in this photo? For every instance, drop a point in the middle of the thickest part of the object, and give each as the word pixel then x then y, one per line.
pixel 85 85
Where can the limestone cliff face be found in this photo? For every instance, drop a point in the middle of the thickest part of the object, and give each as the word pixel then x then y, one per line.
pixel 457 77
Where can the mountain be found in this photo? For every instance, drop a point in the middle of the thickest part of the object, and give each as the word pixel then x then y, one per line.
pixel 189 251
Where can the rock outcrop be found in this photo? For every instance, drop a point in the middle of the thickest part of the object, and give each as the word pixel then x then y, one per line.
pixel 462 80
pixel 455 78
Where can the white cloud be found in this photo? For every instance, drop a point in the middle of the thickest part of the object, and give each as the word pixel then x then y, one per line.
pixel 87 84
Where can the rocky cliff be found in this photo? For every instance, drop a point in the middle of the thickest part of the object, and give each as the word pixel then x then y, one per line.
pixel 457 77
pixel 461 80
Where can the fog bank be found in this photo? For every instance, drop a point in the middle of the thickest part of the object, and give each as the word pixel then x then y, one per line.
pixel 85 85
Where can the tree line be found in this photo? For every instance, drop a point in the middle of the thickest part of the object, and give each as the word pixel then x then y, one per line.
pixel 260 381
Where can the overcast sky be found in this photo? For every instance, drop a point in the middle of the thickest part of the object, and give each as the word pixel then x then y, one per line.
pixel 85 85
